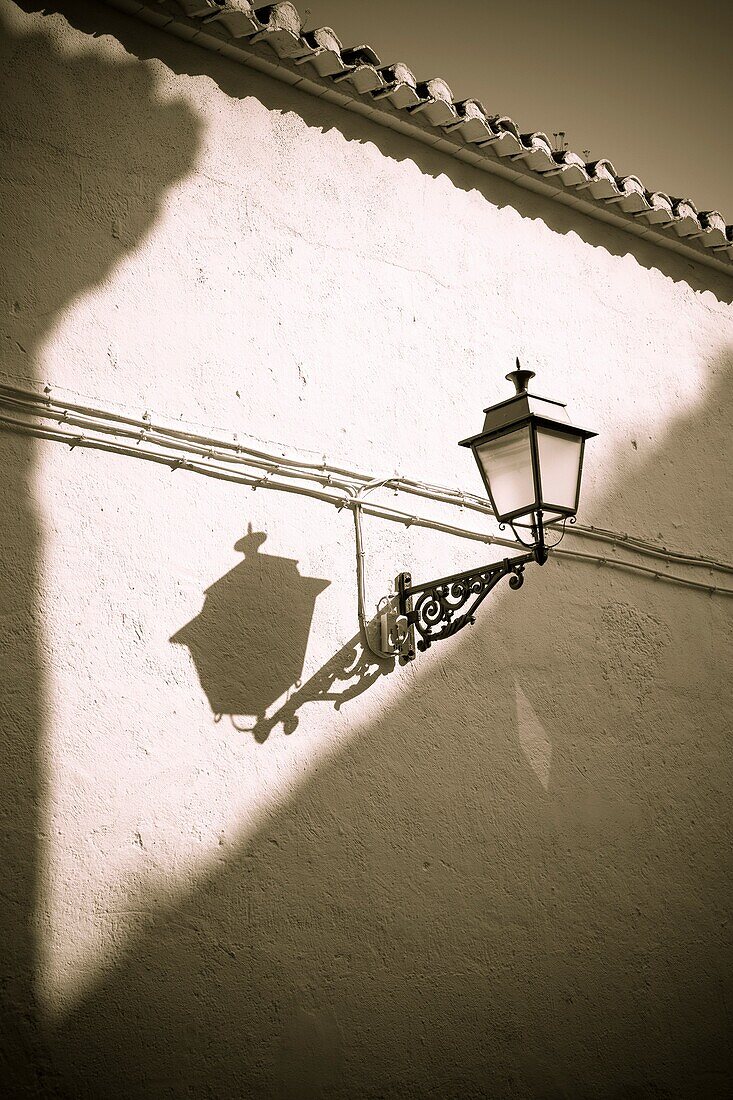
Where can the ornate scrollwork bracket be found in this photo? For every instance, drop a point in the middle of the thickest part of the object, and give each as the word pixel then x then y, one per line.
pixel 440 608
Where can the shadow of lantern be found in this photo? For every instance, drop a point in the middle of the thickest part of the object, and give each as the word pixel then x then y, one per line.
pixel 248 643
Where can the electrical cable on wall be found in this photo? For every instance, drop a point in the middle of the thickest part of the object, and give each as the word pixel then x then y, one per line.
pixel 233 460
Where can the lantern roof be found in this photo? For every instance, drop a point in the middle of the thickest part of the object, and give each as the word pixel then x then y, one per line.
pixel 524 407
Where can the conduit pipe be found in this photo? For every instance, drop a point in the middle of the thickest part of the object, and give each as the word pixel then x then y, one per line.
pixel 146 424
pixel 323 472
pixel 348 483
pixel 381 511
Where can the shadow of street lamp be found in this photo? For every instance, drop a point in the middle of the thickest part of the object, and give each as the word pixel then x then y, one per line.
pixel 249 640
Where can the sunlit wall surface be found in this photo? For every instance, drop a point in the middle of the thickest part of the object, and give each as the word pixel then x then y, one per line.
pixel 242 858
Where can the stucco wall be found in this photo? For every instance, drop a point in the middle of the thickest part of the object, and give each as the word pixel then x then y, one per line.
pixel 502 871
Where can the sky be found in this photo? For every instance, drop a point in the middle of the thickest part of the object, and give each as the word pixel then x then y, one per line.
pixel 647 85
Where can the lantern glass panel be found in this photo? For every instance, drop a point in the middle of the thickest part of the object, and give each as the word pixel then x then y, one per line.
pixel 507 465
pixel 559 457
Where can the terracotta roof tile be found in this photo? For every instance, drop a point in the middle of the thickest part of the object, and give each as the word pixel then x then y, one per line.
pixel 323 50
pixel 362 69
pixel 659 208
pixel 394 88
pixel 537 153
pixel 472 121
pixel 715 233
pixel 570 168
pixel 237 16
pixel 399 85
pixel 435 102
pixel 280 28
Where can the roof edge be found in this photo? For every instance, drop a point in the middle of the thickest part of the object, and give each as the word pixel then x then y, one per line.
pixel 270 40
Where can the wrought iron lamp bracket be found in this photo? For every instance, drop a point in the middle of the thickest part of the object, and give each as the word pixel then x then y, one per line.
pixel 440 608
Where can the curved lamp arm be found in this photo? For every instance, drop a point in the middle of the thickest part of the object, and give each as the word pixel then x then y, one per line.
pixel 440 608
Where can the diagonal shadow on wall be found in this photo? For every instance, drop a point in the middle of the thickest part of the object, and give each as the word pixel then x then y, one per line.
pixel 69 214
pixel 430 917
pixel 424 918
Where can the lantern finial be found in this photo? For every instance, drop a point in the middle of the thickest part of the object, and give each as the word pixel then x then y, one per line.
pixel 520 378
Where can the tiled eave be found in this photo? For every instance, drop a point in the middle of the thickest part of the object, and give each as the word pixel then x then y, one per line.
pixel 270 40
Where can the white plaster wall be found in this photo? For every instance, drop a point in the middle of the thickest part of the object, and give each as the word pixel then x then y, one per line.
pixel 502 871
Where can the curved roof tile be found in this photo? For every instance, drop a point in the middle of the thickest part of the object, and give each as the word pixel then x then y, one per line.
pixel 400 85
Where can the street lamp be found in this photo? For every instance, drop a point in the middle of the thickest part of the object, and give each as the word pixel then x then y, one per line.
pixel 531 458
